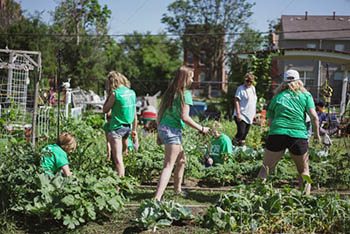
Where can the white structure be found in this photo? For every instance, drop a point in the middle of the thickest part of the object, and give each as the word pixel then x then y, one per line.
pixel 18 106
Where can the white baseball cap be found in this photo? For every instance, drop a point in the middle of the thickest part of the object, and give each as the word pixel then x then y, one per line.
pixel 291 75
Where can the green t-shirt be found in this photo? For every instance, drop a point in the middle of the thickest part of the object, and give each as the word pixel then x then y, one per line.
pixel 124 108
pixel 105 126
pixel 53 159
pixel 172 116
pixel 287 111
pixel 220 147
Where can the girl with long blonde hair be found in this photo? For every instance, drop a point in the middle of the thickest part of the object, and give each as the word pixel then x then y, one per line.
pixel 172 117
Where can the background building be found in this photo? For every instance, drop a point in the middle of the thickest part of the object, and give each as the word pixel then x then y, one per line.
pixel 310 44
pixel 204 47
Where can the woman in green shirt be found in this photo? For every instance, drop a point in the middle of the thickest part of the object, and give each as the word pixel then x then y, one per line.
pixel 173 115
pixel 121 103
pixel 286 114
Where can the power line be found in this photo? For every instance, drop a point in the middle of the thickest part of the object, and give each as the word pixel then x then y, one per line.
pixel 171 34
pixel 137 10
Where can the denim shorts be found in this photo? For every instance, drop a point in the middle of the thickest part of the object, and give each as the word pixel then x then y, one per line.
pixel 169 135
pixel 122 132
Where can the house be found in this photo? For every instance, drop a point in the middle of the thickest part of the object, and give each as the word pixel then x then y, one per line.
pixel 204 47
pixel 314 46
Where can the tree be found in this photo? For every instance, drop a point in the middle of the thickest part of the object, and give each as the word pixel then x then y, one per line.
pixel 149 61
pixel 248 41
pixel 219 21
pixel 81 26
pixel 27 34
pixel 79 17
pixel 10 12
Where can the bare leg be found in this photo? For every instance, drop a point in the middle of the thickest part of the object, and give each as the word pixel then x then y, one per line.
pixel 270 161
pixel 116 148
pixel 171 154
pixel 302 164
pixel 125 142
pixel 179 171
pixel 108 148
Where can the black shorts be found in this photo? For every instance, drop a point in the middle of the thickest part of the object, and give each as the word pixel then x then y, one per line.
pixel 297 146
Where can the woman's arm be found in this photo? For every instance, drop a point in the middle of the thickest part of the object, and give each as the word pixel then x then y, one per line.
pixel 185 116
pixel 315 123
pixel 107 106
pixel 66 171
pixel 238 108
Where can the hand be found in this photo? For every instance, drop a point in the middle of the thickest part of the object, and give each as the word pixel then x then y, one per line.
pixel 133 134
pixel 205 130
pixel 317 138
pixel 238 116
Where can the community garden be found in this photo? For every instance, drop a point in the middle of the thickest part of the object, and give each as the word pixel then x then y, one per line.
pixel 224 198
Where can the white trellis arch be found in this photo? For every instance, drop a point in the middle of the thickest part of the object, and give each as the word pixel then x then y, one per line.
pixel 18 109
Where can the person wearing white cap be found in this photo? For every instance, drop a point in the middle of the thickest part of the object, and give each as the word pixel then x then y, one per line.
pixel 286 115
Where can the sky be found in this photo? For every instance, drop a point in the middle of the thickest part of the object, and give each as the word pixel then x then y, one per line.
pixel 145 15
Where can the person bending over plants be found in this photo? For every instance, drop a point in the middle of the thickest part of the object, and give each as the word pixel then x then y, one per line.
pixel 122 104
pixel 286 114
pixel 172 117
pixel 220 146
pixel 55 157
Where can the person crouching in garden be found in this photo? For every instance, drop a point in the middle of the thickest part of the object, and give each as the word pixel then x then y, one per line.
pixel 172 117
pixel 220 147
pixel 55 157
pixel 244 108
pixel 123 120
pixel 286 115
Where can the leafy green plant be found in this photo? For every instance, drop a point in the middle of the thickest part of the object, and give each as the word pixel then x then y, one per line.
pixel 153 214
pixel 262 208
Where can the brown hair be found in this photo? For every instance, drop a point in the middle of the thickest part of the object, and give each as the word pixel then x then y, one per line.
pixel 176 88
pixel 217 126
pixel 67 142
pixel 249 76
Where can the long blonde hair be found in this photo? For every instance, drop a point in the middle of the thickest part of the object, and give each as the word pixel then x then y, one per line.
pixel 176 88
pixel 295 86
pixel 116 79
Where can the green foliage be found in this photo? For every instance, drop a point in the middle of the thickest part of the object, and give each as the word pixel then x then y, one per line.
pixel 262 208
pixel 153 214
pixel 147 163
pixel 96 121
pixel 149 62
pixel 261 67
pixel 93 192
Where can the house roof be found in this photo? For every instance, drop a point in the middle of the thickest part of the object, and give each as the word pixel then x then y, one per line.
pixel 301 27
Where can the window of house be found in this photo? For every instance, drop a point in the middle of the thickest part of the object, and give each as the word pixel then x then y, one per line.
pixel 307 77
pixel 339 75
pixel 189 59
pixel 311 45
pixel 202 77
pixel 339 47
